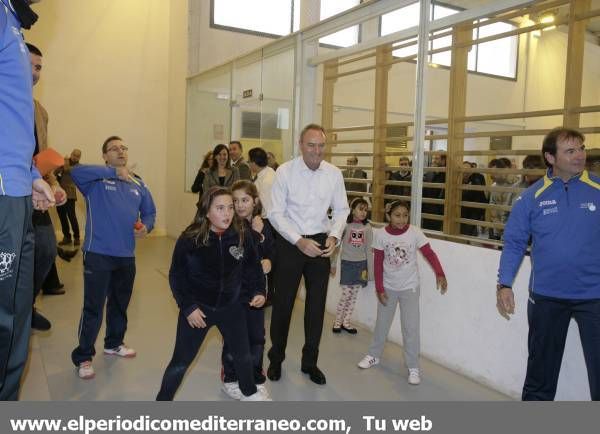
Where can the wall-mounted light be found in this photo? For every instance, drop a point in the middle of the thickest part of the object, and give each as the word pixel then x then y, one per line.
pixel 528 22
pixel 548 18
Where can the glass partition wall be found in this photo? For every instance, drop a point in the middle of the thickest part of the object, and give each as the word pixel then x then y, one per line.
pixel 249 99
pixel 208 117
pixel 447 111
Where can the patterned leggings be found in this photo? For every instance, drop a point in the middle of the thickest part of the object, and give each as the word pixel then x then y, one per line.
pixel 345 306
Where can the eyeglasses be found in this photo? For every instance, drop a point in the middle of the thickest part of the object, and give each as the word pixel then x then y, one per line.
pixel 118 148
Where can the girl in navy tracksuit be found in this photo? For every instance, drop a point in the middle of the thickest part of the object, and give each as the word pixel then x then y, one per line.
pixel 214 262
pixel 248 209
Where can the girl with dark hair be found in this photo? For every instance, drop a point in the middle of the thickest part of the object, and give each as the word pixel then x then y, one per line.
pixel 247 209
pixel 397 283
pixel 220 173
pixel 214 262
pixel 199 181
pixel 356 262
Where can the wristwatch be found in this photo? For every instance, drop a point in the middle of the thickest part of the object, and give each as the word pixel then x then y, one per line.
pixel 501 286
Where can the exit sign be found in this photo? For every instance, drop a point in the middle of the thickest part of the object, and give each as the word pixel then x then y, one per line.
pixel 247 93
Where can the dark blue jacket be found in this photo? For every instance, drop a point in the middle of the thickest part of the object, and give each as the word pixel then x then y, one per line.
pixel 217 275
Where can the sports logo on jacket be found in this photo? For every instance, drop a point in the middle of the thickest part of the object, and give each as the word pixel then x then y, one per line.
pixel 588 205
pixel 6 261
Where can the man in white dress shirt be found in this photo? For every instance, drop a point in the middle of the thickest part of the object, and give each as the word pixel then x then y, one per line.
pixel 305 188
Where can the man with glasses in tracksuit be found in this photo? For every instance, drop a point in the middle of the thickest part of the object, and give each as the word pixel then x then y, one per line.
pixel 119 209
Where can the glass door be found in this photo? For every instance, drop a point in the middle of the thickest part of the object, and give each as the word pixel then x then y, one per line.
pixel 208 117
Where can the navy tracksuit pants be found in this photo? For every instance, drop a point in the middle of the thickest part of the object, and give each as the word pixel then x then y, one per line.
pixel 106 279
pixel 549 320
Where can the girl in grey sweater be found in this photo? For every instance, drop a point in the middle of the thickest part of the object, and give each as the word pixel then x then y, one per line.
pixel 356 263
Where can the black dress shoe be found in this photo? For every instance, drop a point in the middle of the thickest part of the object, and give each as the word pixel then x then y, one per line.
pixel 336 329
pixel 315 374
pixel 274 371
pixel 350 330
pixel 54 291
pixel 65 255
pixel 39 321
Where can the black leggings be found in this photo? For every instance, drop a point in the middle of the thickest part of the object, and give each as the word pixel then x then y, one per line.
pixel 230 322
pixel 255 322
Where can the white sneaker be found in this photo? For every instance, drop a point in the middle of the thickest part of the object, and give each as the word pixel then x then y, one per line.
pixel 232 389
pixel 414 376
pixel 85 370
pixel 121 351
pixel 263 389
pixel 368 361
pixel 261 395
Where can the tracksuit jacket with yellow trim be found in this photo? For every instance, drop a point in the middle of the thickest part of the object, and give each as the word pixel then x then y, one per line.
pixel 113 207
pixel 563 220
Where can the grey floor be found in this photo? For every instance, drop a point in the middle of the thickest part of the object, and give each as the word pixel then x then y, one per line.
pixel 152 319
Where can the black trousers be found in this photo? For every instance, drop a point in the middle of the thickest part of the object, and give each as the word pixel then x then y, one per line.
pixel 16 291
pixel 255 323
pixel 45 254
pixel 292 265
pixel 549 320
pixel 271 274
pixel 52 281
pixel 66 214
pixel 189 340
pixel 106 279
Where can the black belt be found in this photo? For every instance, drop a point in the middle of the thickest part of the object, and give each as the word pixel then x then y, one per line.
pixel 317 237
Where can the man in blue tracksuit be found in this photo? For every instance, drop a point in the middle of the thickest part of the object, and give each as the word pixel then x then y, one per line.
pixel 21 186
pixel 561 215
pixel 116 199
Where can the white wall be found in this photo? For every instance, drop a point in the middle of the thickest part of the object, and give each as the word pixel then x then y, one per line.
pixel 105 73
pixel 463 331
pixel 210 47
pixel 180 205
